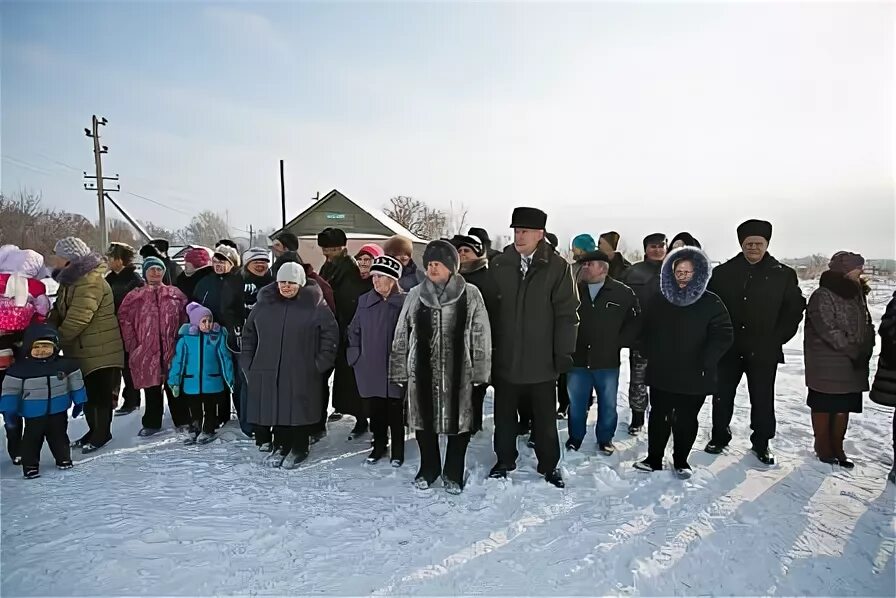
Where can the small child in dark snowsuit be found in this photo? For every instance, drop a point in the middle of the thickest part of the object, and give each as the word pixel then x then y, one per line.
pixel 40 387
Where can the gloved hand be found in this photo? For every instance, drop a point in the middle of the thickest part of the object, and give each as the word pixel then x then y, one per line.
pixel 175 391
pixel 562 363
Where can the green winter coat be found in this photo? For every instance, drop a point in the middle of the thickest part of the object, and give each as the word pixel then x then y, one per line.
pixel 84 313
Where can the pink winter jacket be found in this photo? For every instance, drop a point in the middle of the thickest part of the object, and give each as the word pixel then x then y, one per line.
pixel 150 318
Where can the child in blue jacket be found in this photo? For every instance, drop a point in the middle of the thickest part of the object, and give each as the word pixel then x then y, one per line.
pixel 202 370
pixel 40 387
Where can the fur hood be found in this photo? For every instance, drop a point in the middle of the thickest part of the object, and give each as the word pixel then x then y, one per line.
pixel 474 266
pixel 434 298
pixel 696 288
pixel 80 267
pixel 309 295
pixel 841 286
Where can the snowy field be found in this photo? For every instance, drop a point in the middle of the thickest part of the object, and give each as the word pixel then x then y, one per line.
pixel 156 518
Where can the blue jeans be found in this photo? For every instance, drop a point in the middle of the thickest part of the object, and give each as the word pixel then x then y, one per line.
pixel 579 383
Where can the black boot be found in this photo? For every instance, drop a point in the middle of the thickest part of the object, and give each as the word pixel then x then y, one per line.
pixel 637 423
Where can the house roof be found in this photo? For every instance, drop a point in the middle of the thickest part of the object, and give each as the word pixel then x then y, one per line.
pixel 377 214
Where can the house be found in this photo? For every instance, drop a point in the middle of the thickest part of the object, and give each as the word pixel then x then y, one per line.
pixel 362 224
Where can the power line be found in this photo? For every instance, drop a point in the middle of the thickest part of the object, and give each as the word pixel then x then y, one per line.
pixel 158 203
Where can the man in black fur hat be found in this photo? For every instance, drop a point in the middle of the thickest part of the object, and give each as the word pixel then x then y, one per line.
pixel 535 340
pixel 766 306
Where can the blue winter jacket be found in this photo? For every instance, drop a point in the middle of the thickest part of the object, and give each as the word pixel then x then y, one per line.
pixel 202 363
pixel 40 387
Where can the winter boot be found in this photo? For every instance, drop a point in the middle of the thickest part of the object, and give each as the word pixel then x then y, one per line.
pixel 293 459
pixel 89 447
pixel 376 454
pixel 205 438
pixel 265 447
pixel 500 471
pixel 573 445
pixel 839 423
pixel 531 441
pixel 637 424
pixel 317 437
pixel 607 448
pixel 452 487
pixel 765 456
pixel 645 465
pixel 334 417
pixel 683 471
pixel 821 427
pixel 714 447
pixel 397 463
pixel 555 478
pixel 31 473
pixel 146 432
pixel 124 410
pixel 275 459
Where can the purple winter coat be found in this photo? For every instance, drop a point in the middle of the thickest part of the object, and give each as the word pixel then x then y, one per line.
pixel 370 337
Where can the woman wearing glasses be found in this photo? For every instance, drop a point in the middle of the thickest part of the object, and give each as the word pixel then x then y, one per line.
pixel 685 334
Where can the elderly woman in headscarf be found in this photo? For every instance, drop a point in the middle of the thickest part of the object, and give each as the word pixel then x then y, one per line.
pixel 838 342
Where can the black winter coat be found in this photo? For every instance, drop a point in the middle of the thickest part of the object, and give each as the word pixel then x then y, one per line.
pixel 686 331
pixel 883 391
pixel 187 284
pixel 644 279
pixel 606 324
pixel 223 295
pixel 345 279
pixel 535 332
pixel 618 266
pixel 480 276
pixel 765 303
pixel 172 271
pixel 251 285
pixel 123 283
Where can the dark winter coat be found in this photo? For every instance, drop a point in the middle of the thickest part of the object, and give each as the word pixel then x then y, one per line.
pixel 84 314
pixel 287 345
pixel 535 332
pixel 411 276
pixel 344 277
pixel 765 303
pixel 123 283
pixel 223 295
pixel 172 271
pixel 644 279
pixel 839 337
pixel 686 331
pixel 252 284
pixel 606 324
pixel 442 348
pixel 618 266
pixel 370 337
pixel 150 318
pixel 202 363
pixel 884 389
pixel 480 276
pixel 39 387
pixel 187 284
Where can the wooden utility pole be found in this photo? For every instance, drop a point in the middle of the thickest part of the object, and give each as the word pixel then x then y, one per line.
pixel 282 195
pixel 99 184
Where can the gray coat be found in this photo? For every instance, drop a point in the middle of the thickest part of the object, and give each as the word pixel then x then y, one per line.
pixel 839 337
pixel 442 347
pixel 287 345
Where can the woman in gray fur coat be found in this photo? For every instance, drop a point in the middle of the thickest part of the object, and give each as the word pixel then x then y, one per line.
pixel 442 349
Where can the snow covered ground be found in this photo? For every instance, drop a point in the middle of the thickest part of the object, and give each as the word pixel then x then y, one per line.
pixel 156 518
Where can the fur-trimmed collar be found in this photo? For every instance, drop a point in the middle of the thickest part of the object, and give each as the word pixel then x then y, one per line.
pixel 695 289
pixel 474 266
pixel 435 298
pixel 841 286
pixel 79 268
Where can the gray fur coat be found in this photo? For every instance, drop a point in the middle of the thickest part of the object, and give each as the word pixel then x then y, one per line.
pixel 442 347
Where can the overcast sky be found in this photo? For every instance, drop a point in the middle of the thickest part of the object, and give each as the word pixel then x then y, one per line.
pixel 635 117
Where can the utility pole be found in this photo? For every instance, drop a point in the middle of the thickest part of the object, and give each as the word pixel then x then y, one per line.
pixel 251 237
pixel 282 195
pixel 99 180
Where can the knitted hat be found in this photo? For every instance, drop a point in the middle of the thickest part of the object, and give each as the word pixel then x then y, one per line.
pixel 584 242
pixel 195 313
pixel 150 250
pixel 71 248
pixel 386 266
pixel 845 262
pixel 654 239
pixel 481 234
pixel 397 246
pixel 153 262
pixel 529 218
pixel 371 249
pixel 256 254
pixel 470 241
pixel 593 256
pixel 686 238
pixel 754 228
pixel 198 257
pixel 292 272
pixel 161 244
pixel 444 252
pixel 226 252
pixel 289 241
pixel 612 239
pixel 331 237
pixel 121 251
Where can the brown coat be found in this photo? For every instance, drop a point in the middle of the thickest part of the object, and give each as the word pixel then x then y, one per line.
pixel 839 337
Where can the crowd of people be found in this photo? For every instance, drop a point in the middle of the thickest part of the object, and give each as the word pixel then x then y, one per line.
pixel 417 346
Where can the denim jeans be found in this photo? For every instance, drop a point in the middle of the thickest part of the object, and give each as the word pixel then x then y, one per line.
pixel 579 383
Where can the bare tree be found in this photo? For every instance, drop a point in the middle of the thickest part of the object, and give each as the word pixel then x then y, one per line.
pixel 24 222
pixel 456 219
pixel 121 232
pixel 206 229
pixel 160 232
pixel 413 214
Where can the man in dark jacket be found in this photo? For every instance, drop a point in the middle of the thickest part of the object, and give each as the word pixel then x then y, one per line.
pixel 644 279
pixel 608 243
pixel 482 235
pixel 535 340
pixel 342 272
pixel 474 269
pixel 766 306
pixel 123 279
pixel 608 317
pixel 256 275
pixel 159 248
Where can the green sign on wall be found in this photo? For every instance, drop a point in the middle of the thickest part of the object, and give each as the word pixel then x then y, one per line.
pixel 335 216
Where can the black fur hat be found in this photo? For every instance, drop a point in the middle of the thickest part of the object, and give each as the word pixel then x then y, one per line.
pixel 444 252
pixel 529 218
pixel 289 241
pixel 754 228
pixel 150 250
pixel 331 237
